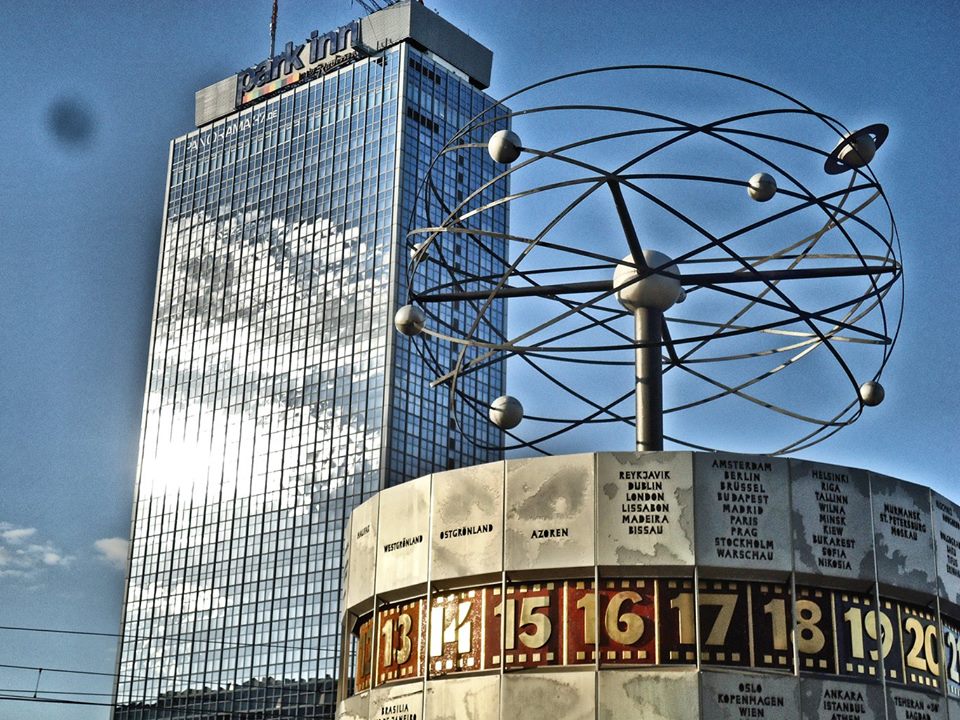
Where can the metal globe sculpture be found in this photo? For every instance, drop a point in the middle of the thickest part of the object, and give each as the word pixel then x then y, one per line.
pixel 695 261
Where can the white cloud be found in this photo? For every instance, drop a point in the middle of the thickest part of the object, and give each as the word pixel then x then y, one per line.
pixel 114 551
pixel 26 559
pixel 15 535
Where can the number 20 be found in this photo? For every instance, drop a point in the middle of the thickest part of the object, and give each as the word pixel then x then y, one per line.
pixel 923 651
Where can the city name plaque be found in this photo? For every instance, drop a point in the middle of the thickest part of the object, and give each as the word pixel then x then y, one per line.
pixel 645 509
pixel 403 539
pixel 830 700
pixel 946 524
pixel 466 537
pixel 749 501
pixel 731 696
pixel 831 521
pixel 360 547
pixel 904 534
pixel 549 513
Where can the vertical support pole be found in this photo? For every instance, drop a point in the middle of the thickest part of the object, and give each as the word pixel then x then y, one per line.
pixel 649 369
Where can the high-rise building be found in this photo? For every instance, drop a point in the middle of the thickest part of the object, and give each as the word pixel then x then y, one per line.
pixel 278 396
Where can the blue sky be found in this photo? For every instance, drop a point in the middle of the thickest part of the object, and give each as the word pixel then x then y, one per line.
pixel 94 92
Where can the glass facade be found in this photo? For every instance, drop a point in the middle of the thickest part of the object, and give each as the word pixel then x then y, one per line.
pixel 278 395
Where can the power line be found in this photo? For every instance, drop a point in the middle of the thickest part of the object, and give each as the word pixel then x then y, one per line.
pixel 53 692
pixel 35 694
pixel 173 637
pixel 112 676
pixel 116 675
pixel 55 701
pixel 181 712
pixel 60 632
pixel 54 670
pixel 59 701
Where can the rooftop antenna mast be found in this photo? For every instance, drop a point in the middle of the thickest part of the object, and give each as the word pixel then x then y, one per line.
pixel 273 29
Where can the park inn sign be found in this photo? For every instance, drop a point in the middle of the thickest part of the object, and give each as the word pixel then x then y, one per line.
pixel 323 53
pixel 317 54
